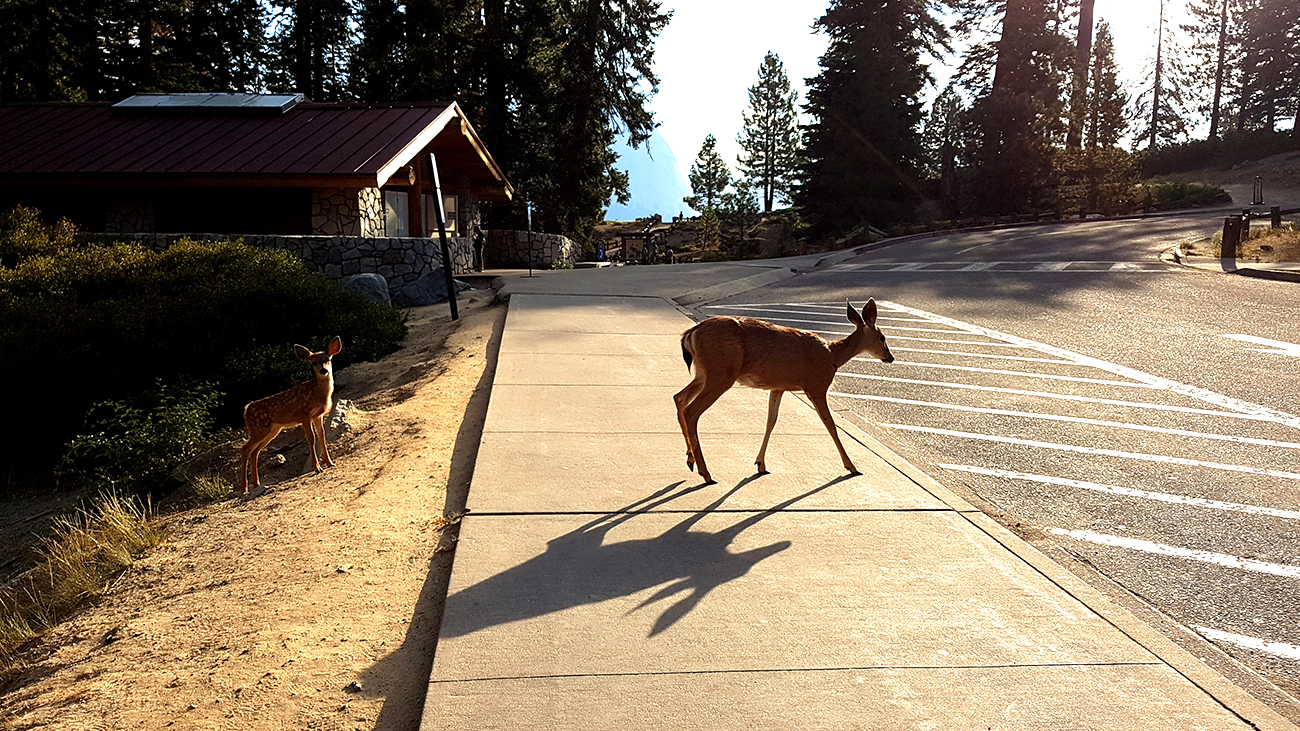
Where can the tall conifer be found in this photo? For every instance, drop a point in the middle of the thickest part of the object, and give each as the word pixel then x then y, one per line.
pixel 770 137
pixel 862 150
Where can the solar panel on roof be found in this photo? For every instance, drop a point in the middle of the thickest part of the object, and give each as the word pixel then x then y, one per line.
pixel 210 103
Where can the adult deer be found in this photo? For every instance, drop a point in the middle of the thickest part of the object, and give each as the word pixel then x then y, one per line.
pixel 730 350
pixel 305 404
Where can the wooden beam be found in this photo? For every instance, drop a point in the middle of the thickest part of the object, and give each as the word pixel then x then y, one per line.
pixel 404 177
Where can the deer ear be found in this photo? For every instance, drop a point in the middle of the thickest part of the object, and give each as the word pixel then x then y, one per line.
pixel 869 311
pixel 336 345
pixel 302 352
pixel 854 317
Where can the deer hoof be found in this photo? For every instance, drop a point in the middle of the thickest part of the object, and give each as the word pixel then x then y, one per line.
pixel 762 468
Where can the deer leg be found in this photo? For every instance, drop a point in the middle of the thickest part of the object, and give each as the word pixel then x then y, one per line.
pixel 320 428
pixel 308 430
pixel 683 398
pixel 824 411
pixel 248 459
pixel 773 404
pixel 694 409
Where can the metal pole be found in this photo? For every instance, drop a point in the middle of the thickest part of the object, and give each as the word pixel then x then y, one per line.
pixel 1259 192
pixel 442 237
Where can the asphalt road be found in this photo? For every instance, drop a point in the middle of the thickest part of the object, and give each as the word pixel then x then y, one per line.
pixel 1141 416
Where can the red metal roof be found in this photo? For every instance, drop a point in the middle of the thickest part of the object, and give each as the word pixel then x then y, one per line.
pixel 351 142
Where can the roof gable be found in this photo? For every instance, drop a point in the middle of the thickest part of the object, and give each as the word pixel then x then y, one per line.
pixel 326 144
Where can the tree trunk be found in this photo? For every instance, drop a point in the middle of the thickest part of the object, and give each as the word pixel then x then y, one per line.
pixel 1082 57
pixel 1218 71
pixel 1155 93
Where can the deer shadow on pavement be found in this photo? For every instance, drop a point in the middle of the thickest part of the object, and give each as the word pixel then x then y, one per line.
pixel 582 567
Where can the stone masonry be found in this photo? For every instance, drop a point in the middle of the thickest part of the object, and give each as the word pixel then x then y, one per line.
pixel 529 248
pixel 401 261
pixel 347 212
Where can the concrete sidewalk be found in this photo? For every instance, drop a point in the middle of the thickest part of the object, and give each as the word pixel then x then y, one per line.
pixel 598 585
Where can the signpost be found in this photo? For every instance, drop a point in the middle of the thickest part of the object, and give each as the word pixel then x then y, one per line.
pixel 442 237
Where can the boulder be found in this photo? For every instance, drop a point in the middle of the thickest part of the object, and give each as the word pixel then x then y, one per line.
pixel 373 286
pixel 429 289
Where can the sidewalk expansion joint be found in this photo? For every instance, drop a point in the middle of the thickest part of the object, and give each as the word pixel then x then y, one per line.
pixel 847 668
pixel 719 511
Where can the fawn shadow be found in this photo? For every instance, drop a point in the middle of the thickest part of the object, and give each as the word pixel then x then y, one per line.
pixel 580 567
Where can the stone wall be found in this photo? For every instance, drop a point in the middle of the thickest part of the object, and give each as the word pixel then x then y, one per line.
pixel 127 210
pixel 401 261
pixel 529 248
pixel 347 212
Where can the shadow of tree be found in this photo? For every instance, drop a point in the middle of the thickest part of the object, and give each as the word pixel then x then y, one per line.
pixel 581 567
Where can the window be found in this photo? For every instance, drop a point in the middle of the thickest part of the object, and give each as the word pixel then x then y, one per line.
pixel 430 215
pixel 397 213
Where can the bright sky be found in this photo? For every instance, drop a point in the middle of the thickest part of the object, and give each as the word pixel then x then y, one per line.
pixel 708 57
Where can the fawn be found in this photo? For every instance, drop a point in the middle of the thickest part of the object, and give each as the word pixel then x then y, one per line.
pixel 305 404
pixel 730 350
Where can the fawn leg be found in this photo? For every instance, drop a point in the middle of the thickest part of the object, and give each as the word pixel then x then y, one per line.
pixel 773 404
pixel 308 430
pixel 824 411
pixel 320 429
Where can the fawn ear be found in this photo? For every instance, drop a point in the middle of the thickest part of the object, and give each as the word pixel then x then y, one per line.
pixel 869 311
pixel 854 317
pixel 335 346
pixel 302 352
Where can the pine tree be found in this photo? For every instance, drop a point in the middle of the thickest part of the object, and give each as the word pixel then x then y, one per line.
pixel 770 137
pixel 1107 101
pixel 1270 66
pixel 1015 126
pixel 942 138
pixel 1211 40
pixel 1162 105
pixel 709 177
pixel 47 50
pixel 862 151
pixel 1079 82
pixel 310 45
pixel 599 77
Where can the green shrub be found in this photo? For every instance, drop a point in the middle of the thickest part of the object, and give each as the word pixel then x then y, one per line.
pixel 23 236
pixel 103 323
pixel 133 445
pixel 1173 194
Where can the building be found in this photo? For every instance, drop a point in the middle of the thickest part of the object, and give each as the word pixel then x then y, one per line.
pixel 248 164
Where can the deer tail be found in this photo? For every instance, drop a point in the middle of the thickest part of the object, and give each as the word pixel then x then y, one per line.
pixel 688 350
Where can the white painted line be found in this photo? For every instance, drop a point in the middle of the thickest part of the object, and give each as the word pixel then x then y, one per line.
pixel 1075 420
pixel 981 343
pixel 1281 649
pixel 1101 452
pixel 840 323
pixel 1023 374
pixel 1195 392
pixel 1067 397
pixel 985 355
pixel 1129 492
pixel 1161 549
pixel 1277 347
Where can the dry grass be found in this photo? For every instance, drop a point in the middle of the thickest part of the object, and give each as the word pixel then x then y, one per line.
pixel 1264 245
pixel 77 562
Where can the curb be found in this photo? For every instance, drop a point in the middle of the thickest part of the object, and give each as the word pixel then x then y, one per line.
pixel 1174 256
pixel 1216 683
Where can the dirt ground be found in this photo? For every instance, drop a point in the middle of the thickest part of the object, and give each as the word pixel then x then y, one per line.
pixel 311 604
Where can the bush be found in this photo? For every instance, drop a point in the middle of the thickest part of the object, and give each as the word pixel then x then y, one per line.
pixel 1234 148
pixel 1173 194
pixel 23 236
pixel 102 323
pixel 133 445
